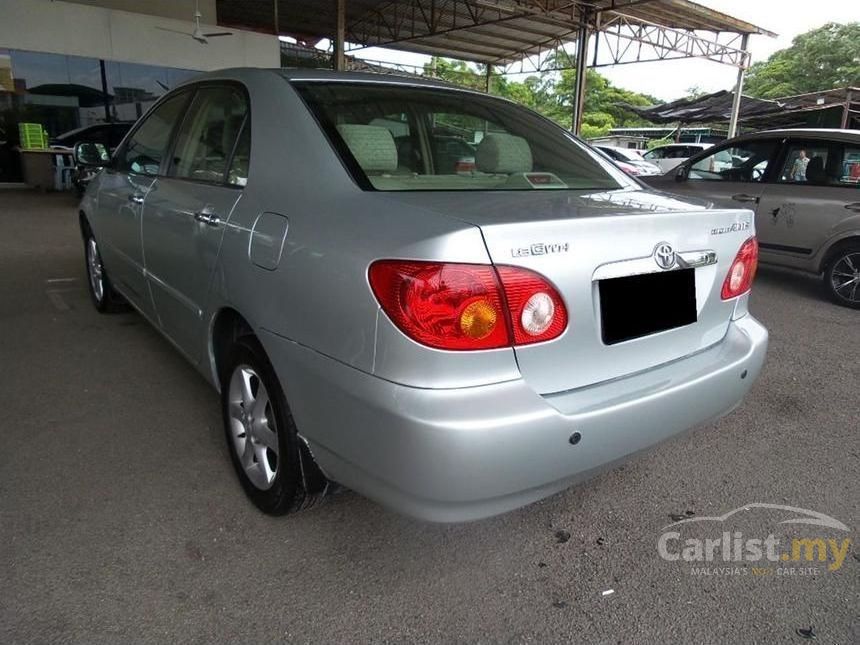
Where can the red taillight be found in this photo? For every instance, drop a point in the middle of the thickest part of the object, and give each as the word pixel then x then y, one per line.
pixel 448 306
pixel 467 306
pixel 741 273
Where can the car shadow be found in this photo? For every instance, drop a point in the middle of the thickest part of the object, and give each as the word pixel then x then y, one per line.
pixel 792 282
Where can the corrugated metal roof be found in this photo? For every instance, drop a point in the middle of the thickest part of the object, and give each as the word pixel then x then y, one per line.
pixel 488 31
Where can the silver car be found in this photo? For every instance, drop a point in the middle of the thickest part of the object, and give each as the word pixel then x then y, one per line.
pixel 671 155
pixel 804 186
pixel 453 342
pixel 630 161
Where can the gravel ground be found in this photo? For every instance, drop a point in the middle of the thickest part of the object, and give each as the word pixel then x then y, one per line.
pixel 121 519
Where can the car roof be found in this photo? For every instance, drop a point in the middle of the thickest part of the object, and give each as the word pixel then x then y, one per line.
pixel 683 144
pixel 808 131
pixel 304 74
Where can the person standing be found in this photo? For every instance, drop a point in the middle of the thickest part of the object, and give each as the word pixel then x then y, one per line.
pixel 798 170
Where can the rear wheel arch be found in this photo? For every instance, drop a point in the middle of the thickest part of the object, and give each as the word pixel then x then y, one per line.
pixel 228 326
pixel 232 336
pixel 833 251
pixel 84 223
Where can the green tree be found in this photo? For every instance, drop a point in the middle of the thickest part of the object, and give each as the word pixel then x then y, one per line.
pixel 601 97
pixel 551 93
pixel 455 71
pixel 821 59
pixel 695 92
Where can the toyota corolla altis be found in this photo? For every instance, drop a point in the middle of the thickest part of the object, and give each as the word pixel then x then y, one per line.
pixel 453 340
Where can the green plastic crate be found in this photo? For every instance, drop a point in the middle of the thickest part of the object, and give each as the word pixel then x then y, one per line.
pixel 32 136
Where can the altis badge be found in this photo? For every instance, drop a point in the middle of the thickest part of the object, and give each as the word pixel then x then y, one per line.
pixel 734 228
pixel 540 248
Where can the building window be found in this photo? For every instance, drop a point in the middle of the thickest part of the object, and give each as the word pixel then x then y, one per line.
pixel 65 93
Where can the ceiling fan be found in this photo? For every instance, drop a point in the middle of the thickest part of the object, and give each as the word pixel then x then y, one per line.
pixel 198 34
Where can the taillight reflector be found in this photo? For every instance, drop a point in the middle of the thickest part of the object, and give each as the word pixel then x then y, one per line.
pixel 741 273
pixel 536 309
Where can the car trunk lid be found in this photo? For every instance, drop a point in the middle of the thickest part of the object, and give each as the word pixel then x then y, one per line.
pixel 579 240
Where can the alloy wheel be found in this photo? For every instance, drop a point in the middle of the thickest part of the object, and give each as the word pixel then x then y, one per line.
pixel 845 277
pixel 252 427
pixel 95 271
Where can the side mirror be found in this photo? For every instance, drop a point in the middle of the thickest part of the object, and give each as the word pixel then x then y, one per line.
pixel 92 155
pixel 682 172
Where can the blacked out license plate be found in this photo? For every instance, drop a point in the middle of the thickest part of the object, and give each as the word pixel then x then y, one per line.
pixel 638 305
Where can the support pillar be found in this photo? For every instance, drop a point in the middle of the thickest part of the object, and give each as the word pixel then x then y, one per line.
pixel 846 110
pixel 739 89
pixel 581 67
pixel 340 36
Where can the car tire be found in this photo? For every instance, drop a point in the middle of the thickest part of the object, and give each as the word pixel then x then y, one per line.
pixel 842 276
pixel 105 298
pixel 272 462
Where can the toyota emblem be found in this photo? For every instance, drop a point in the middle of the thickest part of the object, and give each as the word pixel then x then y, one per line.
pixel 664 255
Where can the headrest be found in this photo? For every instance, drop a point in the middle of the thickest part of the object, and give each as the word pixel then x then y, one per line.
pixel 503 153
pixel 371 145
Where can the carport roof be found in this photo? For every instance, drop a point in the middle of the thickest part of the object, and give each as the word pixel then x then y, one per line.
pixel 486 31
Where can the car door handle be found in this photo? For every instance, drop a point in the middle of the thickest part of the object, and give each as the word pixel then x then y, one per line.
pixel 743 197
pixel 208 217
pixel 136 198
pixel 855 206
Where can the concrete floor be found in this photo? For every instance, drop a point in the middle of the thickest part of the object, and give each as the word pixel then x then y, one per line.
pixel 121 519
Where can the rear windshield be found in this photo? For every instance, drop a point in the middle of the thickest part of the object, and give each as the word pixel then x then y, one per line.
pixel 403 138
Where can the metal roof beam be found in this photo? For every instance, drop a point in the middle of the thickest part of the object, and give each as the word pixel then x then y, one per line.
pixel 415 21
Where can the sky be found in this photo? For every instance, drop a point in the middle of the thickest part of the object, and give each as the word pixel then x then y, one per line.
pixel 669 80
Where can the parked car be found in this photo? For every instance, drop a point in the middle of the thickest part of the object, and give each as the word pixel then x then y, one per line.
pixel 630 161
pixel 670 155
pixel 452 345
pixel 804 186
pixel 108 135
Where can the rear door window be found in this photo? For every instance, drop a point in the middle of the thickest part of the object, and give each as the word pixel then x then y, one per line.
pixel 820 163
pixel 848 170
pixel 208 135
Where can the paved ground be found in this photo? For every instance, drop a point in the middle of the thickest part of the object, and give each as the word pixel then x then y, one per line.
pixel 121 520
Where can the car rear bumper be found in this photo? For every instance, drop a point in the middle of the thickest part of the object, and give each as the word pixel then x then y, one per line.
pixel 463 454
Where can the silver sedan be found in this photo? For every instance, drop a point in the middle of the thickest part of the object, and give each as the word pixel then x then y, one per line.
pixel 451 338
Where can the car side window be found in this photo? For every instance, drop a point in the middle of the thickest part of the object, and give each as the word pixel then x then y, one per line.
pixel 744 162
pixel 656 153
pixel 812 163
pixel 147 146
pixel 208 134
pixel 848 171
